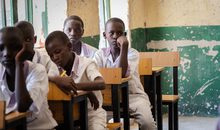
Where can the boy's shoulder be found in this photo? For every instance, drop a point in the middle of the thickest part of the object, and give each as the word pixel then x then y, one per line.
pixel 34 67
pixel 85 45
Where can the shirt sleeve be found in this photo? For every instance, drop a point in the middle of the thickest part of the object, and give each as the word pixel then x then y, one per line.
pixel 133 61
pixel 92 71
pixel 51 68
pixel 37 85
pixel 98 58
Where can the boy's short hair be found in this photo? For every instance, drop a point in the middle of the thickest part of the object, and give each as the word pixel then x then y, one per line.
pixel 59 35
pixel 114 19
pixel 12 34
pixel 26 27
pixel 73 17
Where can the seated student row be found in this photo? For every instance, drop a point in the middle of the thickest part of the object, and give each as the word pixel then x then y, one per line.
pixel 83 72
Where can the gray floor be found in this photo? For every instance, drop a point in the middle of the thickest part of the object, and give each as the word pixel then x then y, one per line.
pixel 194 123
pixel 187 123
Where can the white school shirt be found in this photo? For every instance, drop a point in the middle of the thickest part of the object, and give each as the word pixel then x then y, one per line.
pixel 104 59
pixel 84 70
pixel 87 50
pixel 37 86
pixel 43 58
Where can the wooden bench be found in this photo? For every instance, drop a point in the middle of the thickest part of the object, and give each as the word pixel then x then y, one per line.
pixel 168 59
pixel 116 91
pixel 2 115
pixel 14 120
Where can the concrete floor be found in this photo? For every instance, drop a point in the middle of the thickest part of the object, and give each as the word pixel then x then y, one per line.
pixel 193 123
pixel 187 123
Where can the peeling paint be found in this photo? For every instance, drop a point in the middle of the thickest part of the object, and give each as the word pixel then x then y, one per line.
pixel 204 87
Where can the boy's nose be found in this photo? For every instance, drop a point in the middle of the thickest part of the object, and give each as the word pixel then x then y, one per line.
pixel 6 53
pixel 72 32
pixel 115 35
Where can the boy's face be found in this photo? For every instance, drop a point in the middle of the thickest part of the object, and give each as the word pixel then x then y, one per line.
pixel 112 32
pixel 58 52
pixel 9 47
pixel 73 29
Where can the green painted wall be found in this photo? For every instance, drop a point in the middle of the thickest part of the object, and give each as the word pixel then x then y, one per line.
pixel 92 40
pixel 199 70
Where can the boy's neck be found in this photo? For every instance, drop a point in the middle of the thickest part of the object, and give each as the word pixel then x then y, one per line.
pixel 76 47
pixel 115 52
pixel 10 78
pixel 70 63
pixel 31 55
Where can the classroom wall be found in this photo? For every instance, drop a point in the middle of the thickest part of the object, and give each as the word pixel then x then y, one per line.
pixel 88 11
pixel 192 28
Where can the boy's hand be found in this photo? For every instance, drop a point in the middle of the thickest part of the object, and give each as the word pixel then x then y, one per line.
pixel 24 53
pixel 93 100
pixel 68 84
pixel 122 41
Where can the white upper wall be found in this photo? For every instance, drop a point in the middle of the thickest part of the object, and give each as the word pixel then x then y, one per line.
pixel 161 13
pixel 57 13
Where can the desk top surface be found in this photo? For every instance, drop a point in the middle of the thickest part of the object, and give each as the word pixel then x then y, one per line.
pixel 13 116
pixel 157 69
pixel 55 93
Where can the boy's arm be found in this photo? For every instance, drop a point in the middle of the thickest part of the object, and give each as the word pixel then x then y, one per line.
pixel 123 57
pixel 23 97
pixel 64 81
pixel 97 84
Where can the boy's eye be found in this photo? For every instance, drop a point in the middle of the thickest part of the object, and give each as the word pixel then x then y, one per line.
pixel 111 33
pixel 57 51
pixel 1 47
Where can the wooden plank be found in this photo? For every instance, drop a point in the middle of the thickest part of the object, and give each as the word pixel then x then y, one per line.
pixel 162 59
pixel 107 96
pixel 114 126
pixel 56 108
pixel 2 115
pixel 15 116
pixel 170 98
pixel 157 69
pixel 111 75
pixel 145 66
pixel 56 94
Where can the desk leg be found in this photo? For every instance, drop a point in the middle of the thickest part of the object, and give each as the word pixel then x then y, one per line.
pixel 22 125
pixel 125 102
pixel 68 115
pixel 150 89
pixel 116 103
pixel 83 114
pixel 159 103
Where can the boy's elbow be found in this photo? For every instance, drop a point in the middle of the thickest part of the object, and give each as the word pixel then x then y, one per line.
pixel 102 86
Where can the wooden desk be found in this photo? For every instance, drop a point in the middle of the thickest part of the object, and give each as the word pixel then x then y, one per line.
pixel 16 120
pixel 112 77
pixel 63 107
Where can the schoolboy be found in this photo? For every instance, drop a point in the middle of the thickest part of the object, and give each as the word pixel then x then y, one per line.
pixel 35 55
pixel 23 84
pixel 73 27
pixel 119 55
pixel 82 70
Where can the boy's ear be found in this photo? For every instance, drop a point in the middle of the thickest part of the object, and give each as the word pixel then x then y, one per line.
pixel 104 35
pixel 82 31
pixel 35 39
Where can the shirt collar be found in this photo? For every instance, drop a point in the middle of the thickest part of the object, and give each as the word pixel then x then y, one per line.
pixel 107 53
pixel 75 68
pixel 84 50
pixel 2 69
